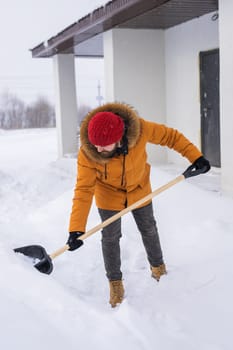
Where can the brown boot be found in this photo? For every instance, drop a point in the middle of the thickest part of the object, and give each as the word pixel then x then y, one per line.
pixel 158 271
pixel 116 292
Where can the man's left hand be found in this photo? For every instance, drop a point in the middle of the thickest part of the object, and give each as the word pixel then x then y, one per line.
pixel 202 164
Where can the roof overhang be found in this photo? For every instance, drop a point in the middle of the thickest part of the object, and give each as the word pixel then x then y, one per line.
pixel 85 37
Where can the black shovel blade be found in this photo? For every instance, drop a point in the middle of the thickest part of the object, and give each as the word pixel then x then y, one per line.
pixel 36 252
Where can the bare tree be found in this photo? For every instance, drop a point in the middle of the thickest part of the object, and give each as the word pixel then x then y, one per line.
pixel 40 114
pixel 15 114
pixel 82 112
pixel 12 111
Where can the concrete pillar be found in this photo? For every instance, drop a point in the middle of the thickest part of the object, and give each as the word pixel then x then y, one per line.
pixel 135 73
pixel 226 93
pixel 66 104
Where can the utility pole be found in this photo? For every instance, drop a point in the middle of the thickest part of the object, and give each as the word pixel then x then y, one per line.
pixel 99 97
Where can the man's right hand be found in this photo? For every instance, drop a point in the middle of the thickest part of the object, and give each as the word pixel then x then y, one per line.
pixel 73 241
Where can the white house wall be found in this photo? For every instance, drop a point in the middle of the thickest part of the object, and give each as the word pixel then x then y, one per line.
pixel 182 46
pixel 135 74
pixel 157 72
pixel 226 92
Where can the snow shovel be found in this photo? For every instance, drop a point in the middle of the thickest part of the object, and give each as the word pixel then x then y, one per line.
pixel 43 260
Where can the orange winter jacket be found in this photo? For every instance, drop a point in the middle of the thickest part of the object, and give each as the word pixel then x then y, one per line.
pixel 122 180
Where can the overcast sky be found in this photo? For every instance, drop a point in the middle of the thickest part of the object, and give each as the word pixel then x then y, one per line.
pixel 26 23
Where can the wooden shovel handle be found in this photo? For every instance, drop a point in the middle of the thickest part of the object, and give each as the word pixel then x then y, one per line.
pixel 59 251
pixel 121 213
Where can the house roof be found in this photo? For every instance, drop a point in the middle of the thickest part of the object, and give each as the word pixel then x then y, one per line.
pixel 85 37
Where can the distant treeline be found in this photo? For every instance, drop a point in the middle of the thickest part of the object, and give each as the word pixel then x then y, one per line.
pixel 16 114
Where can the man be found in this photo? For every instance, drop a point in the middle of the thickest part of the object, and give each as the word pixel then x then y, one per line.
pixel 112 166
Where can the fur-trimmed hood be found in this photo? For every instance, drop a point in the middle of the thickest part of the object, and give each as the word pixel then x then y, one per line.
pixel 130 118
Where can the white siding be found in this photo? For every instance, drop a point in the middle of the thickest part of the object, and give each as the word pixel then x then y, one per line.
pixel 226 92
pixel 135 71
pixel 183 44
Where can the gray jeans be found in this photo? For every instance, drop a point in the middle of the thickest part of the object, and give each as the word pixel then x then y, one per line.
pixel 111 235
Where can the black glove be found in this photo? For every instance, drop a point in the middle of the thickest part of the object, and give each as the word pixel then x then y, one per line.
pixel 202 164
pixel 73 241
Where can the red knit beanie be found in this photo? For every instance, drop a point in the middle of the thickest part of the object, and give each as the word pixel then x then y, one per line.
pixel 105 128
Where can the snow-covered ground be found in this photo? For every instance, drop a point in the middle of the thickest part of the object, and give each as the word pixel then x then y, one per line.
pixel 189 309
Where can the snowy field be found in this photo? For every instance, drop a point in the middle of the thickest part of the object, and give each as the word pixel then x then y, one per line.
pixel 189 309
